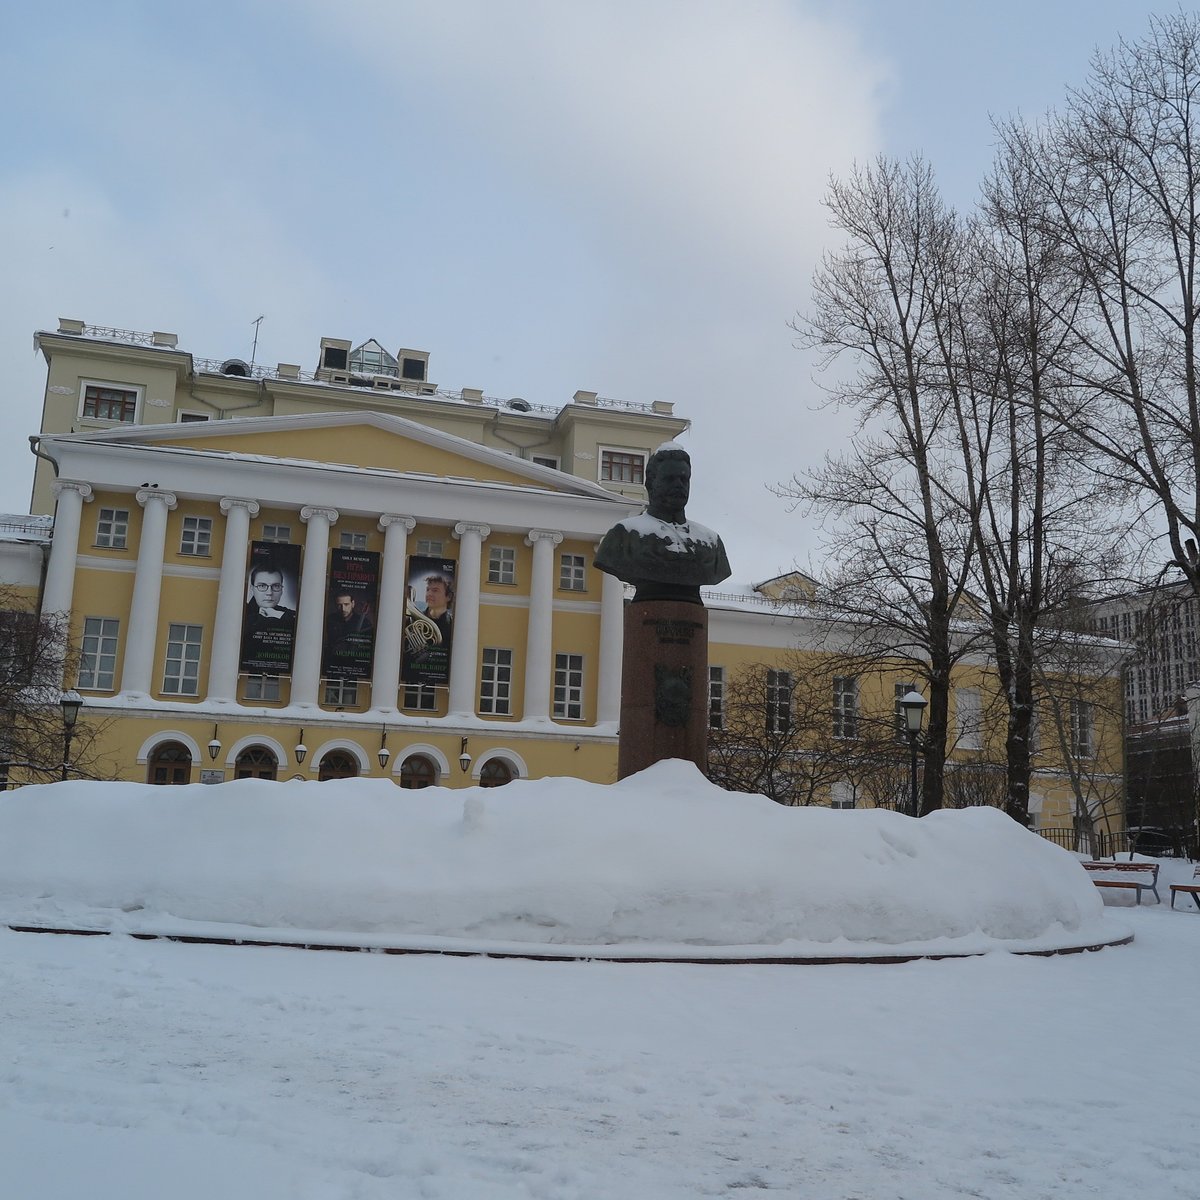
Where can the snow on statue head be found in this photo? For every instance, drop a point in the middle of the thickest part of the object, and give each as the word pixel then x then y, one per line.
pixel 663 554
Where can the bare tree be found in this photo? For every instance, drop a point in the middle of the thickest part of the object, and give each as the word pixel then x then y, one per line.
pixel 33 651
pixel 901 554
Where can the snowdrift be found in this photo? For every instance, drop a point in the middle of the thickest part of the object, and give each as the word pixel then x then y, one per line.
pixel 663 859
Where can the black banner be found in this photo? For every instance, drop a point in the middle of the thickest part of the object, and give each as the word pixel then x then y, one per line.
pixel 350 613
pixel 269 618
pixel 428 620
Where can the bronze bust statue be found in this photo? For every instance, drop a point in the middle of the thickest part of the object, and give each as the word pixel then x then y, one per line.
pixel 664 555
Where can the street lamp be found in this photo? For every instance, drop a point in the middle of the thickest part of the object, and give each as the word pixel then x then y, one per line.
pixel 214 746
pixel 384 753
pixel 301 749
pixel 70 702
pixel 913 704
pixel 464 759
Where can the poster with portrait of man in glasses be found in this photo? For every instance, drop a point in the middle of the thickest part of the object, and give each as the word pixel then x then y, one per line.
pixel 269 618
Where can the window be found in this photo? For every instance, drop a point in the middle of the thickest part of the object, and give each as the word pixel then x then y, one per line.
pixel 572 573
pixel 197 536
pixel 262 687
pixel 277 533
pixel 845 706
pixel 568 687
pixel 899 720
pixel 619 466
pixel 968 709
pixel 495 684
pixel 420 696
pixel 841 794
pixel 350 540
pixel 98 654
pixel 112 528
pixel 545 460
pixel 779 702
pixel 431 547
pixel 716 697
pixel 502 564
pixel 495 773
pixel 1081 729
pixel 341 693
pixel 337 764
pixel 256 762
pixel 193 418
pixel 182 672
pixel 171 763
pixel 417 771
pixel 109 403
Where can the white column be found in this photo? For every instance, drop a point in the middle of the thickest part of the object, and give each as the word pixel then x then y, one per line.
pixel 310 622
pixel 612 638
pixel 541 620
pixel 464 650
pixel 389 620
pixel 64 547
pixel 231 595
pixel 142 634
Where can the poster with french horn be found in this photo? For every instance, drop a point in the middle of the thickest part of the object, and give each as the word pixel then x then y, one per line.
pixel 428 620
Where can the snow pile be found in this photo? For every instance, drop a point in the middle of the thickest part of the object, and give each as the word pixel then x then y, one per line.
pixel 662 859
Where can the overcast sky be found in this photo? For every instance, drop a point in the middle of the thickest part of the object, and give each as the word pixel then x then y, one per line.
pixel 547 196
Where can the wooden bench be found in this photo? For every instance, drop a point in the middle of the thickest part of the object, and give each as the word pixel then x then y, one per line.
pixel 1137 876
pixel 1189 889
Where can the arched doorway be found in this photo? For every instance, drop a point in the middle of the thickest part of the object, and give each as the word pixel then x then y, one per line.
pixel 338 764
pixel 256 762
pixel 170 763
pixel 418 771
pixel 496 772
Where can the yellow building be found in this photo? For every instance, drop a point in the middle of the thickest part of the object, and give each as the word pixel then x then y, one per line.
pixel 250 561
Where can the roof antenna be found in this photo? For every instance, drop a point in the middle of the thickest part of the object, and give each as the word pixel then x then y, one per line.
pixel 254 350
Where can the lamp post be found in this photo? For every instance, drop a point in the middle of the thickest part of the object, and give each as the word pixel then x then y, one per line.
pixel 913 704
pixel 70 702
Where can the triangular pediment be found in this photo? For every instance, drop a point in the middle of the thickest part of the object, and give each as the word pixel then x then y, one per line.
pixel 368 441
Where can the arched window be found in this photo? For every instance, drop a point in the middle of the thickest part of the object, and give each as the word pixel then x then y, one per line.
pixel 170 763
pixel 495 773
pixel 417 771
pixel 256 762
pixel 337 764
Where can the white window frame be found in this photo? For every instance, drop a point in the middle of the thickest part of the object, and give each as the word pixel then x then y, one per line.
pixel 261 687
pixel 502 565
pixel 274 532
pixel 430 547
pixel 98 654
pixel 189 416
pixel 547 460
pixel 841 794
pixel 496 682
pixel 1082 729
pixel 568 686
pixel 716 697
pixel 352 539
pixel 845 707
pixel 200 531
pixel 181 668
pixel 419 697
pixel 630 452
pixel 109 385
pixel 340 693
pixel 968 718
pixel 779 701
pixel 112 529
pixel 572 572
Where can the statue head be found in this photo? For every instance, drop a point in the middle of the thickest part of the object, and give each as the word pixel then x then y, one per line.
pixel 668 482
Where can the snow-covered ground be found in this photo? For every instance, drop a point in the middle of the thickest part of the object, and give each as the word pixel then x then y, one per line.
pixel 147 1069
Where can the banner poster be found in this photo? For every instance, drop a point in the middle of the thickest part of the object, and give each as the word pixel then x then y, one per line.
pixel 351 610
pixel 269 618
pixel 428 620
